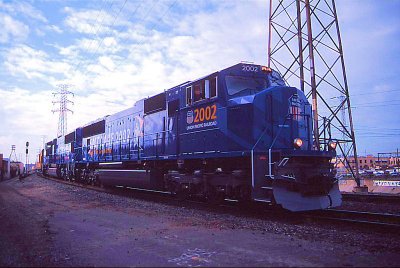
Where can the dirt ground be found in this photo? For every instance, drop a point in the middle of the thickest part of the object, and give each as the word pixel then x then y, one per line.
pixel 45 223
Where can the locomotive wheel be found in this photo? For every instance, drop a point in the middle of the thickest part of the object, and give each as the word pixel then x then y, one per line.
pixel 64 175
pixel 214 197
pixel 92 180
pixel 178 193
pixel 181 195
pixel 244 196
pixel 215 200
pixel 77 175
pixel 97 181
pixel 101 185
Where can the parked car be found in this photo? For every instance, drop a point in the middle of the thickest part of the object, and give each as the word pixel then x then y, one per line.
pixel 394 174
pixel 379 173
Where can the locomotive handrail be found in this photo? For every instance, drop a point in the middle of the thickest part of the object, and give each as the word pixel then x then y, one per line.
pixel 117 148
pixel 262 134
pixel 270 163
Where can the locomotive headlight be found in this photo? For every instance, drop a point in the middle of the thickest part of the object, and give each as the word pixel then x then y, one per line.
pixel 332 145
pixel 297 143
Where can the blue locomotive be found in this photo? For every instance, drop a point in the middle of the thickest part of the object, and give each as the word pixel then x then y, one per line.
pixel 239 133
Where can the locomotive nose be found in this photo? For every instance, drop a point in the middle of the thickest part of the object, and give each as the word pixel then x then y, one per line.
pixel 283 114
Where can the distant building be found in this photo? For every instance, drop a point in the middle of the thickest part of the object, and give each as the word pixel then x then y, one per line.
pixel 394 161
pixel 370 162
pixel 16 168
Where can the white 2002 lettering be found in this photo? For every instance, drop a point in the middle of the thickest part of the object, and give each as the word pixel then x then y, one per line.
pixel 249 68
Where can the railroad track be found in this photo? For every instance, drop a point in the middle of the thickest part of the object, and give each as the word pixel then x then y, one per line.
pixel 385 220
pixel 371 197
pixel 381 220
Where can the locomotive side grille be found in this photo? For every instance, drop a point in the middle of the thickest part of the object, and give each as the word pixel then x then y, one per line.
pixel 70 137
pixel 94 129
pixel 240 120
pixel 155 103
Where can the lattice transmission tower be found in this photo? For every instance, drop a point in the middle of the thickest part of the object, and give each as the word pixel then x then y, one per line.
pixel 305 47
pixel 63 110
pixel 13 155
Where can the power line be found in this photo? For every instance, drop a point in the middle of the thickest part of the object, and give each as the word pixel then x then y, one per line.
pixel 100 25
pixel 143 19
pixel 376 93
pixel 377 105
pixel 141 43
pixel 384 101
pixel 102 40
pixel 151 28
pixel 365 105
pixel 369 93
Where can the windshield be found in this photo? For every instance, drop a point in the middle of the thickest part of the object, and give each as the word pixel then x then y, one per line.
pixel 244 85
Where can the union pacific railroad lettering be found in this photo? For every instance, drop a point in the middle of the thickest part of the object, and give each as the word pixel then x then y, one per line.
pixel 202 117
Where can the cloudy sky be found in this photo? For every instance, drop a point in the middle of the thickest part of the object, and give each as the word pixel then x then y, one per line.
pixel 114 52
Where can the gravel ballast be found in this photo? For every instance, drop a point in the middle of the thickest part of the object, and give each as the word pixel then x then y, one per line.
pixel 46 223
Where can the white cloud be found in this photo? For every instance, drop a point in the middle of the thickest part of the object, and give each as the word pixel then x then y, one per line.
pixel 141 61
pixel 24 8
pixel 24 116
pixel 92 22
pixel 107 62
pixel 110 41
pixel 84 49
pixel 32 63
pixel 54 28
pixel 11 29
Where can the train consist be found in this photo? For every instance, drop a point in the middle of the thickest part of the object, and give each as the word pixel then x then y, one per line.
pixel 239 133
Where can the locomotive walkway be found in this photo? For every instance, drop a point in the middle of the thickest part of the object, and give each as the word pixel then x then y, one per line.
pixel 47 223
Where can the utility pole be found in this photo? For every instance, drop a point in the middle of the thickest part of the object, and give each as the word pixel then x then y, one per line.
pixel 63 110
pixel 307 31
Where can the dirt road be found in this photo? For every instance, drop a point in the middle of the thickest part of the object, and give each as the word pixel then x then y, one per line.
pixel 45 223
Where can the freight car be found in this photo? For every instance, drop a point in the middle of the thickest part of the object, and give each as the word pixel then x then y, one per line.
pixel 239 133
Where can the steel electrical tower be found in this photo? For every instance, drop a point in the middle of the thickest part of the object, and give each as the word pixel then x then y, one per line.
pixel 305 47
pixel 63 100
pixel 13 155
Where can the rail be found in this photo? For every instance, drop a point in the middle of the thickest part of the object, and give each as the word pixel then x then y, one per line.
pixel 371 197
pixel 358 217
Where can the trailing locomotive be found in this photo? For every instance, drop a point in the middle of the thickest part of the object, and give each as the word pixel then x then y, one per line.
pixel 239 133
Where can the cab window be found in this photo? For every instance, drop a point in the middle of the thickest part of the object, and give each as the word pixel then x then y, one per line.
pixel 213 86
pixel 188 95
pixel 199 91
pixel 210 87
pixel 244 85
